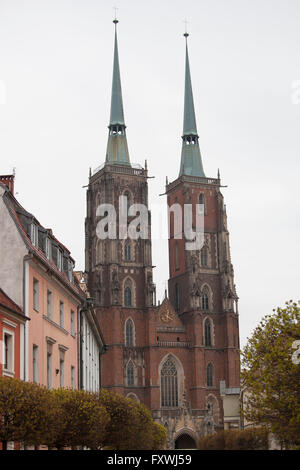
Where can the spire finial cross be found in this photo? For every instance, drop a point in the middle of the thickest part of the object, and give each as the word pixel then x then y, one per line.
pixel 115 20
pixel 186 34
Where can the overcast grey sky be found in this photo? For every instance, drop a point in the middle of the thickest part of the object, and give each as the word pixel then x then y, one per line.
pixel 55 82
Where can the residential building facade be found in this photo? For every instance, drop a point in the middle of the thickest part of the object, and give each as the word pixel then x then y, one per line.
pixel 91 343
pixel 37 274
pixel 12 327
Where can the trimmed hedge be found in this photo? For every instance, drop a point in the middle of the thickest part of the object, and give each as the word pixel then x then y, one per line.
pixel 248 439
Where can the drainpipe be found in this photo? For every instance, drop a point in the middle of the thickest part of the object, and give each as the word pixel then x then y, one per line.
pixel 26 312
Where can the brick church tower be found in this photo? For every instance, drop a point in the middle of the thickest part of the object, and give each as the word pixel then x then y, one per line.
pixel 119 270
pixel 181 356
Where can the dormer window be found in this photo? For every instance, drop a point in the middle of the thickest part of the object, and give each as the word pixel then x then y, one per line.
pixel 59 259
pixel 34 235
pixel 48 247
pixel 70 271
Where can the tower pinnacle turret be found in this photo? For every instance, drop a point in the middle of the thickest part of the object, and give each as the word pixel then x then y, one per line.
pixel 117 149
pixel 191 163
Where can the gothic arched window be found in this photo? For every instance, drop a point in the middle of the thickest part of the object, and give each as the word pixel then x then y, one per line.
pixel 209 375
pixel 130 374
pixel 128 293
pixel 201 201
pixel 207 333
pixel 127 195
pixel 205 300
pixel 127 297
pixel 129 333
pixel 169 384
pixel 127 251
pixel 204 257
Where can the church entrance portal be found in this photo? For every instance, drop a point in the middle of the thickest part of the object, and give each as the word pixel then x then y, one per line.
pixel 185 442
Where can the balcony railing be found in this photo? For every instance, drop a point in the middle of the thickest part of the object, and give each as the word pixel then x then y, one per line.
pixel 133 169
pixel 193 179
pixel 174 344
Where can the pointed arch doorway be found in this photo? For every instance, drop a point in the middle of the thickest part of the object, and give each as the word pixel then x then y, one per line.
pixel 185 441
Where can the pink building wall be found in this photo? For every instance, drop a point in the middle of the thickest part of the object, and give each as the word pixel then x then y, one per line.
pixel 41 328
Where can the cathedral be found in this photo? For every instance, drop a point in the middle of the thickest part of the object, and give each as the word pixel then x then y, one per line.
pixel 179 357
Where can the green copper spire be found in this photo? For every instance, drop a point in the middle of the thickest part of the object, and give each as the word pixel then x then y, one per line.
pixel 191 163
pixel 117 149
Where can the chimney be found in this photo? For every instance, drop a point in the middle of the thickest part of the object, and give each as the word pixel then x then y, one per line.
pixel 8 181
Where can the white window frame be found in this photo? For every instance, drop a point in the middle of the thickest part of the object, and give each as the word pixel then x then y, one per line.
pixel 36 294
pixel 49 304
pixel 72 318
pixel 61 369
pixel 49 367
pixel 59 259
pixel 34 234
pixel 35 363
pixel 48 248
pixel 61 314
pixel 73 377
pixel 10 371
pixel 70 271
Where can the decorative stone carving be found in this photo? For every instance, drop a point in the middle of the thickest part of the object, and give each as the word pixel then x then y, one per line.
pixel 150 290
pixel 115 289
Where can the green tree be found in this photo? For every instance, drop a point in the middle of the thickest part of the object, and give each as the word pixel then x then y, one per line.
pixel 75 418
pixel 131 425
pixel 271 378
pixel 23 411
pixel 159 433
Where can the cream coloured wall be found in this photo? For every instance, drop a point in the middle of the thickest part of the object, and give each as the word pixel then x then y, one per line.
pixel 12 252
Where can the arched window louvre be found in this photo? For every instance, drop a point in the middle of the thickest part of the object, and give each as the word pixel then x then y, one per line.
pixel 201 201
pixel 207 332
pixel 205 300
pixel 169 384
pixel 209 375
pixel 204 257
pixel 128 299
pixel 127 251
pixel 130 374
pixel 129 333
pixel 127 296
pixel 127 195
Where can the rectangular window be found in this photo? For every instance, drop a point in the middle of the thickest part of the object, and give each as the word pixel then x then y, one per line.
pixel 34 235
pixel 35 364
pixel 48 248
pixel 73 377
pixel 49 367
pixel 72 323
pixel 70 271
pixel 8 345
pixel 49 304
pixel 61 314
pixel 62 369
pixel 59 259
pixel 36 295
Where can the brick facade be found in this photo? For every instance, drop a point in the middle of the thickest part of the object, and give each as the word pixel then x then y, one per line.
pixel 165 330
